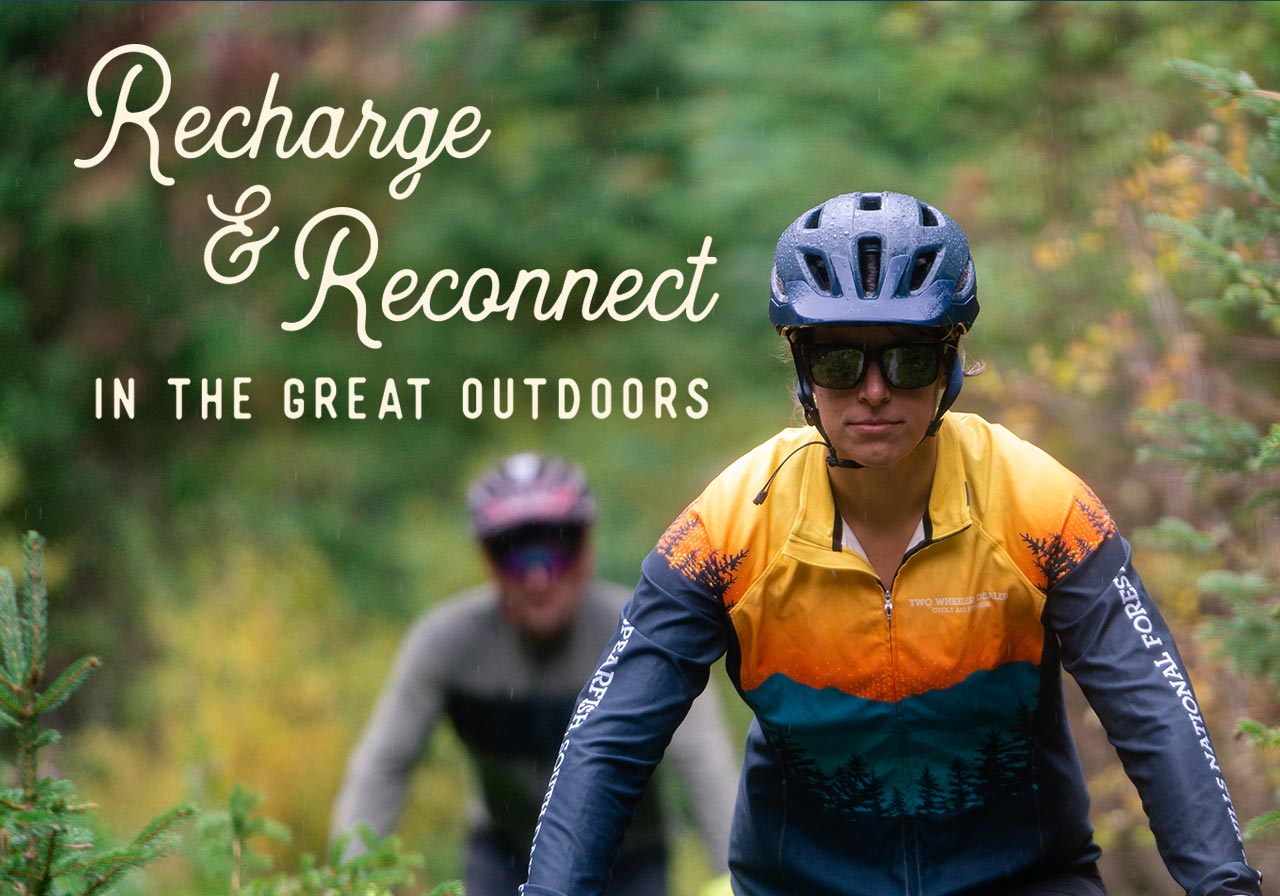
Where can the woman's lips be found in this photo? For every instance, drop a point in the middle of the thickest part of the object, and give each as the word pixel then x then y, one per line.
pixel 873 427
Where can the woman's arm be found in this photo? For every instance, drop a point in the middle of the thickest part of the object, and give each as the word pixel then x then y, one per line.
pixel 1120 650
pixel 649 674
pixel 708 765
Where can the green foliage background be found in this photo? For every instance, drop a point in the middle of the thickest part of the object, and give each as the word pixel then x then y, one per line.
pixel 245 581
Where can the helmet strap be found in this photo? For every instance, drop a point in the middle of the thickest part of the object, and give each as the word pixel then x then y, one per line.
pixel 955 379
pixel 804 395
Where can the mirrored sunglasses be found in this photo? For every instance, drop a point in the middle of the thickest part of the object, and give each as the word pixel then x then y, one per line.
pixel 554 553
pixel 911 366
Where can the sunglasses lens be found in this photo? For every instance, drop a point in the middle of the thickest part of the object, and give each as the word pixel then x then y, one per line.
pixel 911 366
pixel 836 366
pixel 520 561
pixel 555 552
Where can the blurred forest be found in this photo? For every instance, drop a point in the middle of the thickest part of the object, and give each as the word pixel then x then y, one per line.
pixel 246 581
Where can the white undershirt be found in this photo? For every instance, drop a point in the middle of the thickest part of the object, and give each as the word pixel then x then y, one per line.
pixel 851 541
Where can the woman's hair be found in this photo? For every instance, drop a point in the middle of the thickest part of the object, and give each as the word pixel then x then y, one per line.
pixel 970 368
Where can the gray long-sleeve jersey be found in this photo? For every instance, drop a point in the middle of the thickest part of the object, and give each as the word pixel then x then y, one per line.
pixel 509 703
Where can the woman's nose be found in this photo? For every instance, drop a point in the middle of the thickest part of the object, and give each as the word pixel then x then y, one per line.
pixel 874 388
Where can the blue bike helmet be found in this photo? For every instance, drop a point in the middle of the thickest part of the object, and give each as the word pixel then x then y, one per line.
pixel 873 259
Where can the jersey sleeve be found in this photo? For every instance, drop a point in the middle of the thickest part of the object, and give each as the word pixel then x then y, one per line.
pixel 658 662
pixel 701 752
pixel 378 771
pixel 1117 646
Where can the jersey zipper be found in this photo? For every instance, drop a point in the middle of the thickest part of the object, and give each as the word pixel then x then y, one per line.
pixel 893 687
pixel 893 659
pixel 908 827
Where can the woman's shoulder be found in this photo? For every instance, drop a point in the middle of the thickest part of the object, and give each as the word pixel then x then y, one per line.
pixel 725 537
pixel 730 509
pixel 734 490
pixel 1046 517
pixel 747 476
pixel 992 451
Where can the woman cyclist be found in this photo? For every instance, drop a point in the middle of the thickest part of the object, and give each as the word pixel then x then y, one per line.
pixel 897 590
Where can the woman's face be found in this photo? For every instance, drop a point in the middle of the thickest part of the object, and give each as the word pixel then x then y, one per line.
pixel 874 423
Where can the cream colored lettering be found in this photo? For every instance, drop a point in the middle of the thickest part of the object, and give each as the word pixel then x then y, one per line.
pixel 482 293
pixel 238 132
pixel 321 398
pixel 698 409
pixel 349 281
pixel 390 402
pixel 123 116
pixel 237 226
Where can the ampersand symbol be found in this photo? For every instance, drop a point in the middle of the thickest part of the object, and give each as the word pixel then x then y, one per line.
pixel 236 225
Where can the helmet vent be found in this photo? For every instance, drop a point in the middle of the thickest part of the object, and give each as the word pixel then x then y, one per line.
pixel 927 216
pixel 818 269
pixel 778 286
pixel 814 219
pixel 869 203
pixel 921 268
pixel 869 262
pixel 963 283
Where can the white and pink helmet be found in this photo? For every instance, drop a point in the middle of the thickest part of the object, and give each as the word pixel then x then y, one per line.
pixel 529 489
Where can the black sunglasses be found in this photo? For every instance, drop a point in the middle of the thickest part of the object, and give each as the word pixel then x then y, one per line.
pixel 911 366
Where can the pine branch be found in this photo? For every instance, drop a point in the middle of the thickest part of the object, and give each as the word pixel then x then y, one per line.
pixel 1221 82
pixel 37 606
pixel 154 841
pixel 162 826
pixel 44 878
pixel 9 705
pixel 1268 456
pixel 1233 241
pixel 1259 735
pixel 381 867
pixel 105 868
pixel 450 889
pixel 11 631
pixel 42 843
pixel 1262 826
pixel 66 685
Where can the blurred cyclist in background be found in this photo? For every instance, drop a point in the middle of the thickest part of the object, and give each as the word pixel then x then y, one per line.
pixel 504 662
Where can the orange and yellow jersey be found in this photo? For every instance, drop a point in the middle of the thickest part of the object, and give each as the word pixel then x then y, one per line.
pixel 909 736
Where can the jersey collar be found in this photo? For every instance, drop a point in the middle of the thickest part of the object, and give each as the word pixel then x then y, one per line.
pixel 815 535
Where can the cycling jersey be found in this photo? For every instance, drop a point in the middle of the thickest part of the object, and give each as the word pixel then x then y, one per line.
pixel 509 699
pixel 909 736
